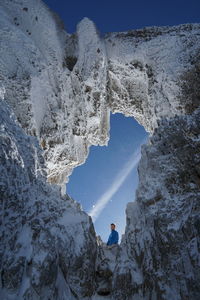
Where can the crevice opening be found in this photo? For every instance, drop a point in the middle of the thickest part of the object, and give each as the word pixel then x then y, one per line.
pixel 109 178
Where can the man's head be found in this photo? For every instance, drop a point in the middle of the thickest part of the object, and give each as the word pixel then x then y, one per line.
pixel 112 226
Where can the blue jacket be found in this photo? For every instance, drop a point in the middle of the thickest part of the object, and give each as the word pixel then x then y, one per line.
pixel 113 238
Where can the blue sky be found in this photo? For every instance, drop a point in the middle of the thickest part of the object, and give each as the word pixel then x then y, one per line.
pixel 104 165
pixel 115 15
pixel 91 181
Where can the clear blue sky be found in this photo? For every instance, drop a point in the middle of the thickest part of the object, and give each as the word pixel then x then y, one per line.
pixel 89 181
pixel 115 15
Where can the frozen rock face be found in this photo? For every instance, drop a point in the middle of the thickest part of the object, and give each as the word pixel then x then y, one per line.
pixel 150 71
pixel 48 244
pixel 55 83
pixel 107 258
pixel 60 89
pixel 160 256
pixel 160 252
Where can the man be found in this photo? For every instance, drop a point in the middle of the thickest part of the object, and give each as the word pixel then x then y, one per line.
pixel 113 237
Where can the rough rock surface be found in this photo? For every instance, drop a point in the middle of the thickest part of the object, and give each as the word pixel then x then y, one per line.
pixel 39 256
pixel 56 94
pixel 63 104
pixel 161 246
pixel 107 257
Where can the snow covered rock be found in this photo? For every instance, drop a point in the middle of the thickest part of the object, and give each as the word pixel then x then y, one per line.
pixel 55 83
pixel 149 70
pixel 48 245
pixel 62 87
pixel 107 258
pixel 161 255
pixel 57 91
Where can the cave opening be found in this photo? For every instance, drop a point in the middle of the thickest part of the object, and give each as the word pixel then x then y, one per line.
pixel 108 179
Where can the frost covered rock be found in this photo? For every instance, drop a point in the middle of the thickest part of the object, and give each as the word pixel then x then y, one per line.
pixel 60 89
pixel 161 255
pixel 149 72
pixel 55 83
pixel 48 245
pixel 107 257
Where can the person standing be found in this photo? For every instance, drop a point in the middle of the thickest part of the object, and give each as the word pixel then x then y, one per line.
pixel 114 236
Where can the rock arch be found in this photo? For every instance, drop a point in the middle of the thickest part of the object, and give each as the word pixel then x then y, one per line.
pixel 61 89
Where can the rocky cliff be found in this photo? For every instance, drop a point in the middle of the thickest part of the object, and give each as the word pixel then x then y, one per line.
pixel 57 91
pixel 40 256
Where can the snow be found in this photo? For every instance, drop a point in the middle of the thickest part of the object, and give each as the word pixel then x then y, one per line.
pixel 57 91
pixel 38 225
pixel 24 240
pixel 52 103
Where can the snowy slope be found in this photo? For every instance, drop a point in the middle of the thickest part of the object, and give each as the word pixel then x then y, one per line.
pixel 57 91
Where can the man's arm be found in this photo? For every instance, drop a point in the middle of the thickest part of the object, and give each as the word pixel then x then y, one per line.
pixel 116 238
pixel 108 242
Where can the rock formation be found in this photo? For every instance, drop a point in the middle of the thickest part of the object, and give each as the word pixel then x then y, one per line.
pixel 56 94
